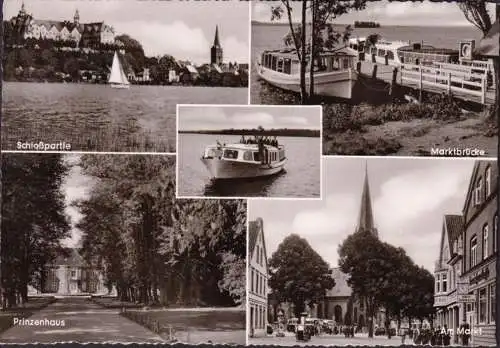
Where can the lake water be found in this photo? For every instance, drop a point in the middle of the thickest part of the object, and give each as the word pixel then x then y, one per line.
pixel 270 36
pixel 301 177
pixel 100 118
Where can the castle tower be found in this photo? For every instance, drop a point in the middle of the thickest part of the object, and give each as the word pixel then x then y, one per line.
pixel 76 18
pixel 216 50
pixel 366 222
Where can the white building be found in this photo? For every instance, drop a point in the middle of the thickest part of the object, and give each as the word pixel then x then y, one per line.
pixel 258 276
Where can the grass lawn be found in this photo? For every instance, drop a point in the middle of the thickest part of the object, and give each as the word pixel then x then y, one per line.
pixel 195 326
pixel 113 302
pixel 34 304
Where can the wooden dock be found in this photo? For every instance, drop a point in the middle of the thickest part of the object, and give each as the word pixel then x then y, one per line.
pixel 462 82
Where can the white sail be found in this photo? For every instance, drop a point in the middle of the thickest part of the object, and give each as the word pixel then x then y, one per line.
pixel 117 75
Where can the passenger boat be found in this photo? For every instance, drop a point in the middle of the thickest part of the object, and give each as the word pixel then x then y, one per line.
pixel 334 72
pixel 117 77
pixel 397 53
pixel 251 158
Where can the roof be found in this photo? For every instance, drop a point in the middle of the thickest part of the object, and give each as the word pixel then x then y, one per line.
pixel 253 232
pixel 216 38
pixel 366 222
pixel 191 69
pixel 489 46
pixel 73 259
pixel 341 288
pixel 454 227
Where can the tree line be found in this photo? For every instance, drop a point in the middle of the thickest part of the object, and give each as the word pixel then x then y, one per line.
pixel 150 247
pixel 280 132
pixel 380 276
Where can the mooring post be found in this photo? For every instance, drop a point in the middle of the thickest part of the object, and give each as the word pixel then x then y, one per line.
pixel 393 86
pixel 421 86
pixel 374 71
pixel 449 84
pixel 358 67
pixel 483 90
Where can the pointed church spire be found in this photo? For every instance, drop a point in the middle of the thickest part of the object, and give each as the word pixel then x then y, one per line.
pixel 216 39
pixel 366 213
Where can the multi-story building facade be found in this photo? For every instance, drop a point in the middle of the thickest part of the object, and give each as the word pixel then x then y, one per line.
pixel 480 251
pixel 465 273
pixel 448 296
pixel 258 276
pixel 69 275
pixel 87 34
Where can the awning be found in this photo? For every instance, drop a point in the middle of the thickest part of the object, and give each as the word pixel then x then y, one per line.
pixel 489 46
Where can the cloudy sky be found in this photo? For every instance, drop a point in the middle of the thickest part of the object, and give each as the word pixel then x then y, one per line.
pixel 409 197
pixel 184 29
pixel 76 186
pixel 248 117
pixel 386 13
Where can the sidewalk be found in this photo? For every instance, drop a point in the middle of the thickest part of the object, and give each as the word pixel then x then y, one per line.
pixel 83 322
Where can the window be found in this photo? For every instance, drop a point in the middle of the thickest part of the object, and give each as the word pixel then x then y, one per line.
pixel 438 283
pixel 473 252
pixel 73 274
pixel 257 276
pixel 247 156
pixel 495 232
pixel 233 154
pixel 487 181
pixel 256 157
pixel 482 305
pixel 479 188
pixel 262 256
pixel 280 65
pixel 445 282
pixel 252 281
pixel 492 303
pixel 485 241
pixel 381 53
pixel 287 66
pixel 390 55
pixel 274 61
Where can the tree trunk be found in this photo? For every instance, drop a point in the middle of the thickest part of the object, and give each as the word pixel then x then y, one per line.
pixel 313 48
pixel 303 62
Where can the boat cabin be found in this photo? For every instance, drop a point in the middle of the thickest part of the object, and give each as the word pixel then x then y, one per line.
pixel 246 153
pixel 286 61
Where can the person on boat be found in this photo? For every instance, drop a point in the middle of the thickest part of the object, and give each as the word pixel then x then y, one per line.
pixel 242 140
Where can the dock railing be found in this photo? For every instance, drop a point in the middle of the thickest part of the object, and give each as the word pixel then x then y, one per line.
pixel 447 77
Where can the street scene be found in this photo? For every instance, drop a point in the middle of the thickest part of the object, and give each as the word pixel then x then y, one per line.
pixel 106 253
pixel 398 252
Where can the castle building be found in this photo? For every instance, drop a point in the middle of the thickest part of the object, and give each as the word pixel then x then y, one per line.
pixel 70 275
pixel 216 50
pixel 258 275
pixel 87 33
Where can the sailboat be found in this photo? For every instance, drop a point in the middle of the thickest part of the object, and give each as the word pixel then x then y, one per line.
pixel 117 78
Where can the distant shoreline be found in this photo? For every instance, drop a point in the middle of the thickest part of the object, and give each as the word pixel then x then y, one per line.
pixel 385 25
pixel 307 133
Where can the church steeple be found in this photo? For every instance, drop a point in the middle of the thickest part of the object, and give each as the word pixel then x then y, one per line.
pixel 216 50
pixel 76 18
pixel 216 38
pixel 366 222
pixel 22 12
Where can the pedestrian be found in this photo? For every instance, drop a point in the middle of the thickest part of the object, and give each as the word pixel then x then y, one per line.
pixel 446 336
pixel 403 337
pixel 465 330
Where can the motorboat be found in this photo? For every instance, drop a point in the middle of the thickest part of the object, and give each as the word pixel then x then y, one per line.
pixel 334 71
pixel 250 158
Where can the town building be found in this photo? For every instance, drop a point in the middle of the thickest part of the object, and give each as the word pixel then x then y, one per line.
pixel 216 49
pixel 466 269
pixel 258 276
pixel 448 269
pixel 339 303
pixel 69 274
pixel 86 34
pixel 480 251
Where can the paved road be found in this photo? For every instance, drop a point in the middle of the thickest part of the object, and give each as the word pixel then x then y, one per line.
pixel 328 340
pixel 83 322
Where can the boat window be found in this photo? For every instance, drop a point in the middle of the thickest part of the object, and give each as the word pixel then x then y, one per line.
pixel 256 156
pixel 345 63
pixel 279 68
pixel 381 53
pixel 390 55
pixel 231 154
pixel 374 50
pixel 274 62
pixel 282 155
pixel 247 156
pixel 287 66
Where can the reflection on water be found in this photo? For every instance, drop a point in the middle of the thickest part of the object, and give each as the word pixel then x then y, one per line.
pixel 100 118
pixel 250 187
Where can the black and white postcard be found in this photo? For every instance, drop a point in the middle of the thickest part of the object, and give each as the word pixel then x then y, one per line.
pixel 106 76
pixel 249 151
